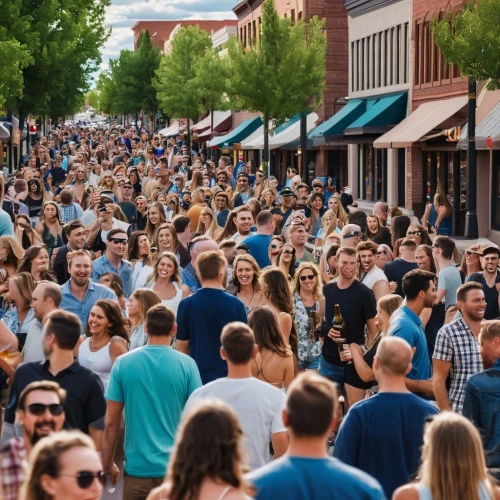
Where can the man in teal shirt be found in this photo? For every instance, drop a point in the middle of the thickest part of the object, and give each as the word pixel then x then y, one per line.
pixel 151 384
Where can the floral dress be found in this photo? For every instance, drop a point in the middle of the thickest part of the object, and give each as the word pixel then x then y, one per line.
pixel 308 326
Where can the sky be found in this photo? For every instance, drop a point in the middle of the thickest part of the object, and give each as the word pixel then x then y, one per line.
pixel 123 14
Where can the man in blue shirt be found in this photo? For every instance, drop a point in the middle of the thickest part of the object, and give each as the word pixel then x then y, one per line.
pixel 258 243
pixel 307 471
pixel 420 291
pixel 113 262
pixel 482 395
pixel 202 316
pixel 79 293
pixel 156 378
pixel 383 435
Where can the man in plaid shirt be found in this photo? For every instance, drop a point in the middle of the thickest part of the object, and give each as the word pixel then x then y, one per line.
pixel 40 413
pixel 457 348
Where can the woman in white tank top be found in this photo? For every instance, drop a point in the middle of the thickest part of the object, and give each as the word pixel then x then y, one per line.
pixel 107 338
pixel 138 305
pixel 166 281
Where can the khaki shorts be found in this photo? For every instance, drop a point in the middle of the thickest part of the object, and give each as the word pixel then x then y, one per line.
pixel 138 488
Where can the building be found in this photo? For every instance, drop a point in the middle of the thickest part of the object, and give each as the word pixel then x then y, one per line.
pixel 160 31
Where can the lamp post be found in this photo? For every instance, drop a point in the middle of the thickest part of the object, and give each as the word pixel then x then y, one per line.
pixel 471 229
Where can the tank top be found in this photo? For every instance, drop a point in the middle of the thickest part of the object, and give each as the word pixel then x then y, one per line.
pixel 34 206
pixel 174 302
pixel 99 361
pixel 424 492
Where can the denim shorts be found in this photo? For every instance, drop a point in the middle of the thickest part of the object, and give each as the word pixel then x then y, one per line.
pixel 309 365
pixel 332 372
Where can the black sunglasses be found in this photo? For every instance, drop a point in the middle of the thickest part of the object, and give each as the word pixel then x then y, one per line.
pixel 39 409
pixel 380 252
pixel 353 235
pixel 85 478
pixel 117 241
pixel 288 252
pixel 309 277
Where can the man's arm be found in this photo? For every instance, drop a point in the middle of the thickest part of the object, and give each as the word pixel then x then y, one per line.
pixel 422 386
pixel 440 370
pixel 280 443
pixel 111 432
pixel 182 346
pixel 96 435
pixel 381 288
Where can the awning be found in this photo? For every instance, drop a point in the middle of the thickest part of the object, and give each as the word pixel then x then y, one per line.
pixel 292 132
pixel 172 131
pixel 381 112
pixel 425 118
pixel 5 132
pixel 489 127
pixel 237 135
pixel 335 126
pixel 220 117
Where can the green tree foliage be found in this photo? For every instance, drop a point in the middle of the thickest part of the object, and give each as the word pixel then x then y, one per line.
pixel 470 39
pixel 106 91
pixel 281 75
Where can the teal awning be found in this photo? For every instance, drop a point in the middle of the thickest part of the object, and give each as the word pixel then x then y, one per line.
pixel 240 133
pixel 294 119
pixel 381 113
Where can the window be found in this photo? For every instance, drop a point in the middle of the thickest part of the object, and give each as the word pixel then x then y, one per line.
pixel 353 65
pixel 406 61
pixel 299 17
pixel 362 64
pixel 244 36
pixel 292 15
pixel 398 54
pixel 254 36
pixel 418 58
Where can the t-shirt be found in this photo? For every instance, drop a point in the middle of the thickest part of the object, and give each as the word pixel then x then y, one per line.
pixel 259 407
pixel 395 271
pixel 357 305
pixel 383 436
pixel 285 215
pixel 490 295
pixel 154 383
pixel 303 478
pixel 200 319
pixel 6 226
pixel 449 280
pixel 258 246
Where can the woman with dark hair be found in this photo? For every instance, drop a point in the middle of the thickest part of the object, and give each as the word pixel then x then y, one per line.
pixel 230 228
pixel 107 338
pixel 11 254
pixel 36 262
pixel 50 227
pixel 115 283
pixel 314 214
pixel 246 274
pixel 135 180
pixel 274 362
pixel 277 242
pixel 399 227
pixel 140 256
pixel 139 304
pixel 285 260
pixel 255 207
pixel 166 240
pixel 34 198
pixel 213 430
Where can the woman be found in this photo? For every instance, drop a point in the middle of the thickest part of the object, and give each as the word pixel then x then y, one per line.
pixel 79 184
pixel 159 196
pixel 24 233
pixel 172 205
pixel 246 281
pixel 35 198
pixel 384 255
pixel 36 262
pixel 64 466
pixel 220 206
pixel 274 361
pixel 375 232
pixel 335 204
pixel 139 304
pixel 470 261
pixel 196 182
pixel 277 242
pixel 11 254
pixel 108 183
pixel 50 228
pixel 207 224
pixel 309 305
pixel 417 233
pixel 213 429
pixel 285 260
pixel 254 206
pixel 135 180
pixel 268 199
pixel 259 184
pixel 139 252
pixel 115 283
pixel 399 226
pixel 425 259
pixel 453 465
pixel 166 241
pixel 328 225
pixel 107 338
pixel 156 217
pixel 229 229
pixel 438 215
pixel 359 376
pixel 150 176
pixel 315 214
pixel 166 281
pixel 328 264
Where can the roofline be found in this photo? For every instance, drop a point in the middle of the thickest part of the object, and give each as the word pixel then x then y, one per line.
pixel 181 20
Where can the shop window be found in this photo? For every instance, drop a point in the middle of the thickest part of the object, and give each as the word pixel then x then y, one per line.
pixel 417 54
pixel 292 15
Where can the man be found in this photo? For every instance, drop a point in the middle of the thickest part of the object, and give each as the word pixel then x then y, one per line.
pixel 163 183
pixel 381 210
pixel 357 307
pixel 127 204
pixel 482 395
pixel 229 249
pixel 196 247
pixel 45 298
pixel 302 191
pixel 489 278
pixel 40 413
pixel 222 207
pixel 225 164
pixel 449 275
pixel 306 471
pixel 456 353
pixel 318 186
pixel 69 210
pixel 383 435
pixel 284 211
pixel 79 293
pixel 202 316
pixel 141 219
pixel 351 235
pixel 183 229
pixel 396 269
pixel 85 405
pixel 56 175
pixel 244 223
pixel 75 234
pixel 113 262
pixel 258 243
pixel 373 277
pixel 420 291
pixel 244 190
pixel 298 239
pixel 259 405
pixel 197 205
pixel 154 377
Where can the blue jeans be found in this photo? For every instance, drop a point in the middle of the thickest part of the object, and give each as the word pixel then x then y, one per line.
pixel 332 372
pixel 309 365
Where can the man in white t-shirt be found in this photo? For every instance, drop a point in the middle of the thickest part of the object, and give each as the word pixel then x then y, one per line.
pixel 258 404
pixel 372 276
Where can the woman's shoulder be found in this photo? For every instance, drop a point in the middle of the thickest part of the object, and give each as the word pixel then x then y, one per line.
pixel 407 492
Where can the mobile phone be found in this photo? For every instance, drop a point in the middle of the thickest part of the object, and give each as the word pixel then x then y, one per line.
pixel 102 208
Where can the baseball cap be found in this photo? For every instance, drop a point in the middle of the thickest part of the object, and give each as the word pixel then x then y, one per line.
pixel 489 248
pixel 286 191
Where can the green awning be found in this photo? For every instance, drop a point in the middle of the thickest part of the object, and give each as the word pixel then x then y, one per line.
pixel 336 125
pixel 381 113
pixel 240 133
pixel 294 119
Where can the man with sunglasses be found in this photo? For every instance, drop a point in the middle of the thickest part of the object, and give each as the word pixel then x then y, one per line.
pixel 351 235
pixel 127 203
pixel 40 413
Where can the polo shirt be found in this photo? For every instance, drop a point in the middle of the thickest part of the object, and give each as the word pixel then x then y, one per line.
pixel 82 309
pixel 84 405
pixel 258 246
pixel 125 271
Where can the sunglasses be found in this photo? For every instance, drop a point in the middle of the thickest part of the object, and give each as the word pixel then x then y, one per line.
pixel 172 202
pixel 381 252
pixel 118 241
pixel 414 233
pixel 85 478
pixel 317 186
pixel 39 409
pixel 309 277
pixel 353 234
pixel 287 252
pixel 469 253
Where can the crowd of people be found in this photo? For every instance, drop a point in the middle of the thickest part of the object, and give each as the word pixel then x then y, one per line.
pixel 235 336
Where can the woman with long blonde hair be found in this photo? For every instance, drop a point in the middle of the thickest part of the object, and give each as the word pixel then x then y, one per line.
pixel 453 464
pixel 156 217
pixel 139 303
pixel 207 224
pixel 24 233
pixel 335 204
pixel 108 182
pixel 246 274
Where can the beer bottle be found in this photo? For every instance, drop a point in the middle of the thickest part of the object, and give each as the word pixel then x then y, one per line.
pixel 339 323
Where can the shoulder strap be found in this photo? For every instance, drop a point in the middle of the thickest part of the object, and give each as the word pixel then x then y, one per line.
pixel 225 492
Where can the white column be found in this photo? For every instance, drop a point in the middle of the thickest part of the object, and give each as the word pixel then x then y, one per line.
pixel 352 169
pixel 392 176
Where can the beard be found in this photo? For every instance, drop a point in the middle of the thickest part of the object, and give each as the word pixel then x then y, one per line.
pixel 35 437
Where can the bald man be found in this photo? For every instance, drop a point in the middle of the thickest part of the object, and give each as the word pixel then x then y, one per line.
pixel 351 235
pixel 383 435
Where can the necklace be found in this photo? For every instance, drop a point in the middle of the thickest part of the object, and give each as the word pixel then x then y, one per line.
pixel 251 298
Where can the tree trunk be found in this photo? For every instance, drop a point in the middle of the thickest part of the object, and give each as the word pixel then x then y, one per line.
pixel 303 147
pixel 188 144
pixel 266 163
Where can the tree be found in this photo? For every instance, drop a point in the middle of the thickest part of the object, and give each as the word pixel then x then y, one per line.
pixel 15 57
pixel 281 75
pixel 175 82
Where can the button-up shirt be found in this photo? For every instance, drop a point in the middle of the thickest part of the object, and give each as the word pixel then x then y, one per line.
pixel 12 467
pixel 81 308
pixel 125 271
pixel 190 279
pixel 456 344
pixel 11 320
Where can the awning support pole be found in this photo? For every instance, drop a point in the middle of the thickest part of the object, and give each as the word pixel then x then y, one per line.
pixel 471 228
